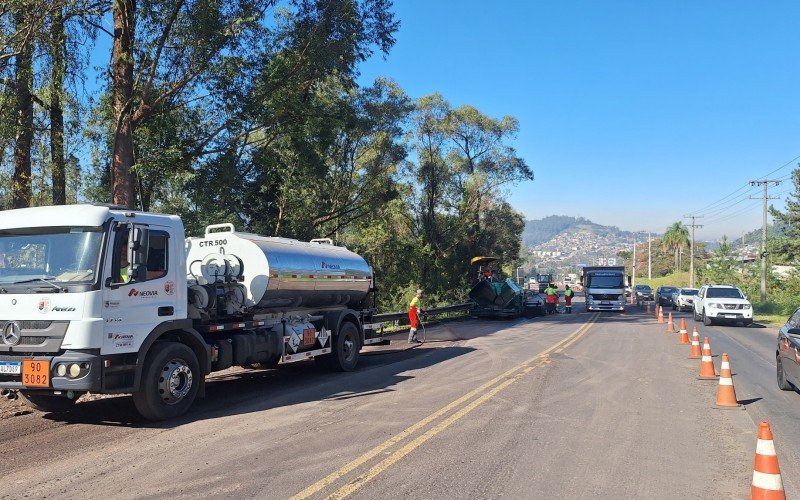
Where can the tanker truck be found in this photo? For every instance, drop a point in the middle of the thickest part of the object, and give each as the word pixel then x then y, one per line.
pixel 106 300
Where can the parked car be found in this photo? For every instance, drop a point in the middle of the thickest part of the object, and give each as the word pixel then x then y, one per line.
pixel 788 351
pixel 664 295
pixel 722 304
pixel 683 298
pixel 643 292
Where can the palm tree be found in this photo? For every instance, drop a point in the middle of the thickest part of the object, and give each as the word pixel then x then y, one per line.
pixel 676 237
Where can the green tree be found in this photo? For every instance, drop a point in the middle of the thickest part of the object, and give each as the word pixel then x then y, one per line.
pixel 787 245
pixel 675 238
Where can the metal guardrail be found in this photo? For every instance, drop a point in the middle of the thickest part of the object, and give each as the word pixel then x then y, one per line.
pixel 394 316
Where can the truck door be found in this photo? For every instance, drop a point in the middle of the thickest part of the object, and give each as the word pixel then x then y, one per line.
pixel 140 295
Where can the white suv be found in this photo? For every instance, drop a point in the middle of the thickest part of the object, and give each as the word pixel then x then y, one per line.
pixel 722 303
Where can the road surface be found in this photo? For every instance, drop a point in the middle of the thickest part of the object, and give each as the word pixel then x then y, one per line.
pixel 566 406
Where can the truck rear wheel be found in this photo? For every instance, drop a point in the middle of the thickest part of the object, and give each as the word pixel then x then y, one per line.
pixel 346 347
pixel 47 403
pixel 170 380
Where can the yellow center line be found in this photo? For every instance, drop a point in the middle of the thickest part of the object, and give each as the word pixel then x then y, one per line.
pixel 523 367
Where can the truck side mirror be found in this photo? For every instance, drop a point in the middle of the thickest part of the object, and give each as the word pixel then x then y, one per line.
pixel 138 242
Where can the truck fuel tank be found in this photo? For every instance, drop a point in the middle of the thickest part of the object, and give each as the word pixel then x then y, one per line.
pixel 279 274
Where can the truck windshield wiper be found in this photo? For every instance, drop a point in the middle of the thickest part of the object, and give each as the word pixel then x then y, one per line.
pixel 45 280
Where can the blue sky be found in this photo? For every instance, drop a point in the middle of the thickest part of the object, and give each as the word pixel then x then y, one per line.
pixel 632 113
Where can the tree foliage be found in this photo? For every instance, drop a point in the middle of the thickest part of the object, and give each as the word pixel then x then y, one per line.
pixel 251 112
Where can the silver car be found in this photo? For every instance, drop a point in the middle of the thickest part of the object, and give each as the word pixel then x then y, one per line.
pixel 683 299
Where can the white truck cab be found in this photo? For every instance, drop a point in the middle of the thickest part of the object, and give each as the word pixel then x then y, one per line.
pixel 71 300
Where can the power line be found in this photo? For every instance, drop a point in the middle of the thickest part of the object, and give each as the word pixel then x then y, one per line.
pixel 722 200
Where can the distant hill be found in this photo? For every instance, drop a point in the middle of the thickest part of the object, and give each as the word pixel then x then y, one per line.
pixel 754 236
pixel 543 230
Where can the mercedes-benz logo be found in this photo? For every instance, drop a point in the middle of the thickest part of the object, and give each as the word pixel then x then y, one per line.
pixel 12 333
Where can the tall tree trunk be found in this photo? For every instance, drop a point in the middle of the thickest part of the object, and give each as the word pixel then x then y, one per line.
pixel 23 81
pixel 676 258
pixel 57 54
pixel 122 186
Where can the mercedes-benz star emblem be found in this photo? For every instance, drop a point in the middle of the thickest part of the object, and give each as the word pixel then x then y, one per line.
pixel 12 333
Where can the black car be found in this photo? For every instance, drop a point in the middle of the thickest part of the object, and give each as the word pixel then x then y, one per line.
pixel 643 292
pixel 664 295
pixel 788 349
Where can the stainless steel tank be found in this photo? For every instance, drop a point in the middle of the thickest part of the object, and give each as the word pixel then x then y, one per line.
pixel 283 274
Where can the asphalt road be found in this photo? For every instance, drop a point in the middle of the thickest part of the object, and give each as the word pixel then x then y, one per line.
pixel 567 406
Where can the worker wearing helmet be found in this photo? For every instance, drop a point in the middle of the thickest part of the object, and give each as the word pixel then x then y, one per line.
pixel 414 310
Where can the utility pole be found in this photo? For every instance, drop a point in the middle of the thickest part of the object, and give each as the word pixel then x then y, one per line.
pixel 633 267
pixel 742 254
pixel 693 225
pixel 764 183
pixel 649 261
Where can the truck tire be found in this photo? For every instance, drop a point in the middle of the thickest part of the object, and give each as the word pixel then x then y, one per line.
pixel 170 380
pixel 47 403
pixel 346 347
pixel 706 320
pixel 696 316
pixel 783 384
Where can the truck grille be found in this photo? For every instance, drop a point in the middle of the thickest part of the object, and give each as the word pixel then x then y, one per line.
pixel 605 296
pixel 37 336
pixel 734 306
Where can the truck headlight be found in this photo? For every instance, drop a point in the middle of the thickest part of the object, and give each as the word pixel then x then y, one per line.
pixel 74 370
pixel 714 305
pixel 746 306
pixel 61 370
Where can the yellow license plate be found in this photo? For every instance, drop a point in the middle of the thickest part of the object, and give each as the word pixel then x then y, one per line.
pixel 35 373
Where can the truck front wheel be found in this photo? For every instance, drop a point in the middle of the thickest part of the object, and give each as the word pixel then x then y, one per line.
pixel 170 379
pixel 47 403
pixel 346 347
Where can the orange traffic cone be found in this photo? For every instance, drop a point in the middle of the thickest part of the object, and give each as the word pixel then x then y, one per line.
pixel 726 394
pixel 655 310
pixel 696 352
pixel 684 333
pixel 647 307
pixel 660 315
pixel 670 324
pixel 767 482
pixel 706 364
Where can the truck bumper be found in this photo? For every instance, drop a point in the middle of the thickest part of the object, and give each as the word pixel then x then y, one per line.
pixel 89 378
pixel 616 306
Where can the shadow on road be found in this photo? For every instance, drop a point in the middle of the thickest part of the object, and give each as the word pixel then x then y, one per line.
pixel 242 392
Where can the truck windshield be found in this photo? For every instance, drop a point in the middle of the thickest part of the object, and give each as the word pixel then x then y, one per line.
pixel 63 254
pixel 606 281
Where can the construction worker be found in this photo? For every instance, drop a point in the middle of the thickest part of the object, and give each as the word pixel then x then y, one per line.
pixel 552 298
pixel 414 310
pixel 568 294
